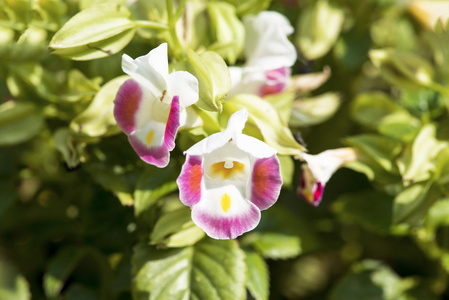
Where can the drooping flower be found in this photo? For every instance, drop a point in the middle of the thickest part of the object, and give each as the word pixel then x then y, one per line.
pixel 269 56
pixel 318 169
pixel 150 107
pixel 228 178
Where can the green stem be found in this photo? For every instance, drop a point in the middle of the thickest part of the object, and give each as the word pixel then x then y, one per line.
pixel 176 47
pixel 180 9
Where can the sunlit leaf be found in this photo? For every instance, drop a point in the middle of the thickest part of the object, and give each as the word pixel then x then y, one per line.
pixel 319 25
pixel 152 185
pixel 176 229
pixel 213 78
pixel 208 270
pixel 265 118
pixel 98 118
pixel 228 29
pixel 314 110
pixel 95 32
pixel 277 245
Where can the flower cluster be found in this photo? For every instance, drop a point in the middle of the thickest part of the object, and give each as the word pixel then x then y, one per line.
pixel 228 177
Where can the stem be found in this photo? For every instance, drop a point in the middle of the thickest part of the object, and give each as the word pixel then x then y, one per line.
pixel 177 47
pixel 180 9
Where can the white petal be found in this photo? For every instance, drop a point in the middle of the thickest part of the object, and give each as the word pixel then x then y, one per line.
pixel 224 213
pixel 236 76
pixel 185 85
pixel 151 109
pixel 324 164
pixel 249 82
pixel 236 124
pixel 158 59
pixel 267 46
pixel 158 130
pixel 253 146
pixel 189 118
pixel 210 143
pixel 144 74
pixel 237 121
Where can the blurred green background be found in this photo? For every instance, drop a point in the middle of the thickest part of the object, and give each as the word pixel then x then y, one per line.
pixel 81 217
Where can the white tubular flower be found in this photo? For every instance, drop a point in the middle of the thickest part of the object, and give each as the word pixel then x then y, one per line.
pixel 318 169
pixel 150 107
pixel 269 56
pixel 228 178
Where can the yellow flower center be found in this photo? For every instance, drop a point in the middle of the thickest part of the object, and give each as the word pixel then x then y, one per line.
pixel 225 202
pixel 150 136
pixel 227 168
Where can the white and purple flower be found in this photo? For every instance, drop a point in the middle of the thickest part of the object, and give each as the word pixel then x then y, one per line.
pixel 150 107
pixel 269 56
pixel 318 169
pixel 228 178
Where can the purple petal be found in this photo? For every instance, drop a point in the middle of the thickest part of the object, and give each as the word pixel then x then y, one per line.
pixel 226 227
pixel 126 104
pixel 266 182
pixel 189 181
pixel 277 81
pixel 160 156
pixel 309 188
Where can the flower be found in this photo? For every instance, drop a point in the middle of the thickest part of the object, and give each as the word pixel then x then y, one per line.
pixel 150 107
pixel 318 169
pixel 228 178
pixel 269 56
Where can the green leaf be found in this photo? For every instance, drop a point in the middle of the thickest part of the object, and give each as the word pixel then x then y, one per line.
pixel 265 118
pixel 393 32
pixel 95 32
pixel 405 69
pixel 282 102
pixel 210 269
pixel 418 163
pixel 438 215
pixel 98 118
pixel 371 280
pixel 18 122
pixel 213 77
pixel 153 184
pixel 228 29
pixel 411 205
pixel 318 25
pixel 31 45
pixel 250 7
pixel 371 107
pixel 287 170
pixel 258 277
pixel 13 285
pixel 399 125
pixel 274 245
pixel 314 110
pixel 380 149
pixel 176 229
pixel 64 142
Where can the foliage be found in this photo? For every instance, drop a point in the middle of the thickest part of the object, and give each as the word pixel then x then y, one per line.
pixel 82 217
